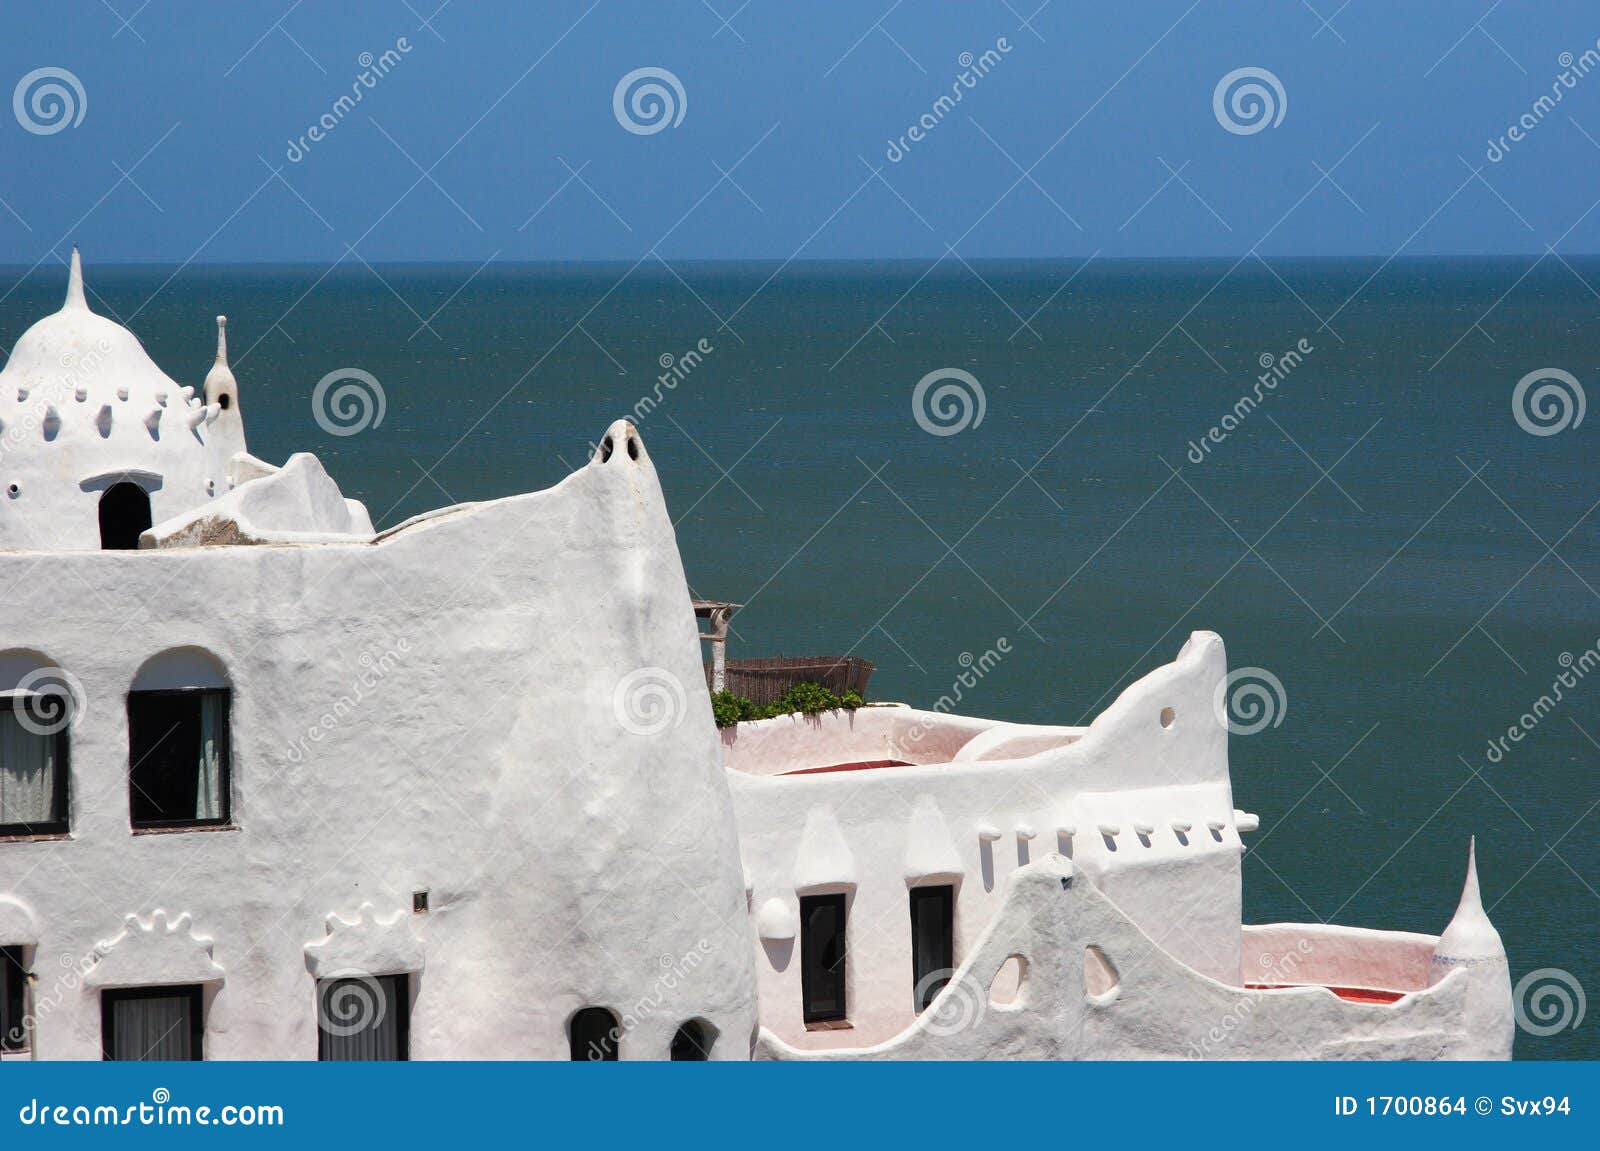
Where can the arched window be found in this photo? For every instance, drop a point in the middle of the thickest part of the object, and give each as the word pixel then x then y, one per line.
pixel 38 705
pixel 179 745
pixel 124 514
pixel 593 1033
pixel 692 1043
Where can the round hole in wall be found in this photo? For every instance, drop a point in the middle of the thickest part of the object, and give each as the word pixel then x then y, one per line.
pixel 633 448
pixel 1168 717
pixel 224 401
pixel 14 490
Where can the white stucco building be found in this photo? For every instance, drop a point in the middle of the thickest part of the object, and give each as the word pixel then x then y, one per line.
pixel 276 786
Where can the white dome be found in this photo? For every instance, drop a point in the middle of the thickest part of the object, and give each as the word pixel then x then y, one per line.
pixel 83 408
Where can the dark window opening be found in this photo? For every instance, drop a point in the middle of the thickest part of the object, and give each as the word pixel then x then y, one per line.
pixel 933 941
pixel 33 764
pixel 364 1020
pixel 593 1035
pixel 224 401
pixel 152 1024
pixel 822 957
pixel 692 1043
pixel 124 514
pixel 13 1000
pixel 178 771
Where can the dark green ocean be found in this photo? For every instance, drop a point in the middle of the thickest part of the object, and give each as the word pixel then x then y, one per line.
pixel 1379 532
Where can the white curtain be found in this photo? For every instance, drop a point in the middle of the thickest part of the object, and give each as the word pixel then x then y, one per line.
pixel 156 1027
pixel 362 1020
pixel 213 731
pixel 27 771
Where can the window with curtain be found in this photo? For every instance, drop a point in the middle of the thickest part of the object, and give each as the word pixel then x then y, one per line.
pixel 152 1024
pixel 33 764
pixel 364 1020
pixel 13 1000
pixel 178 757
pixel 822 958
pixel 933 941
pixel 593 1034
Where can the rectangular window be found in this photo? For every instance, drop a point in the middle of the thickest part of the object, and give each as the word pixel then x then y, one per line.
pixel 152 1024
pixel 178 757
pixel 933 941
pixel 13 1000
pixel 33 764
pixel 822 957
pixel 364 1020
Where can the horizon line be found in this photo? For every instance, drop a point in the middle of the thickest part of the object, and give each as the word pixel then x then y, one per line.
pixel 28 268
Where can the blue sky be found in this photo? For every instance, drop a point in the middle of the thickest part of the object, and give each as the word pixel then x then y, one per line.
pixel 495 135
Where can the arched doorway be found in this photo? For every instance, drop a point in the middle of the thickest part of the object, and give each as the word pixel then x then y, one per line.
pixel 593 1033
pixel 124 514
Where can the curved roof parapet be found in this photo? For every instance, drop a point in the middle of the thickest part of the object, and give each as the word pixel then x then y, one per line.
pixel 297 504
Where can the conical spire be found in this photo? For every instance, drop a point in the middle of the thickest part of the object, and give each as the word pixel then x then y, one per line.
pixel 1471 897
pixel 1470 939
pixel 75 298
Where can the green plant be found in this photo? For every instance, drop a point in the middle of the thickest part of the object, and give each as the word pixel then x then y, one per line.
pixel 806 698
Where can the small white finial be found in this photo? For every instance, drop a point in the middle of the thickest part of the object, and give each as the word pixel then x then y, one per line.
pixel 75 298
pixel 222 342
pixel 1471 897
